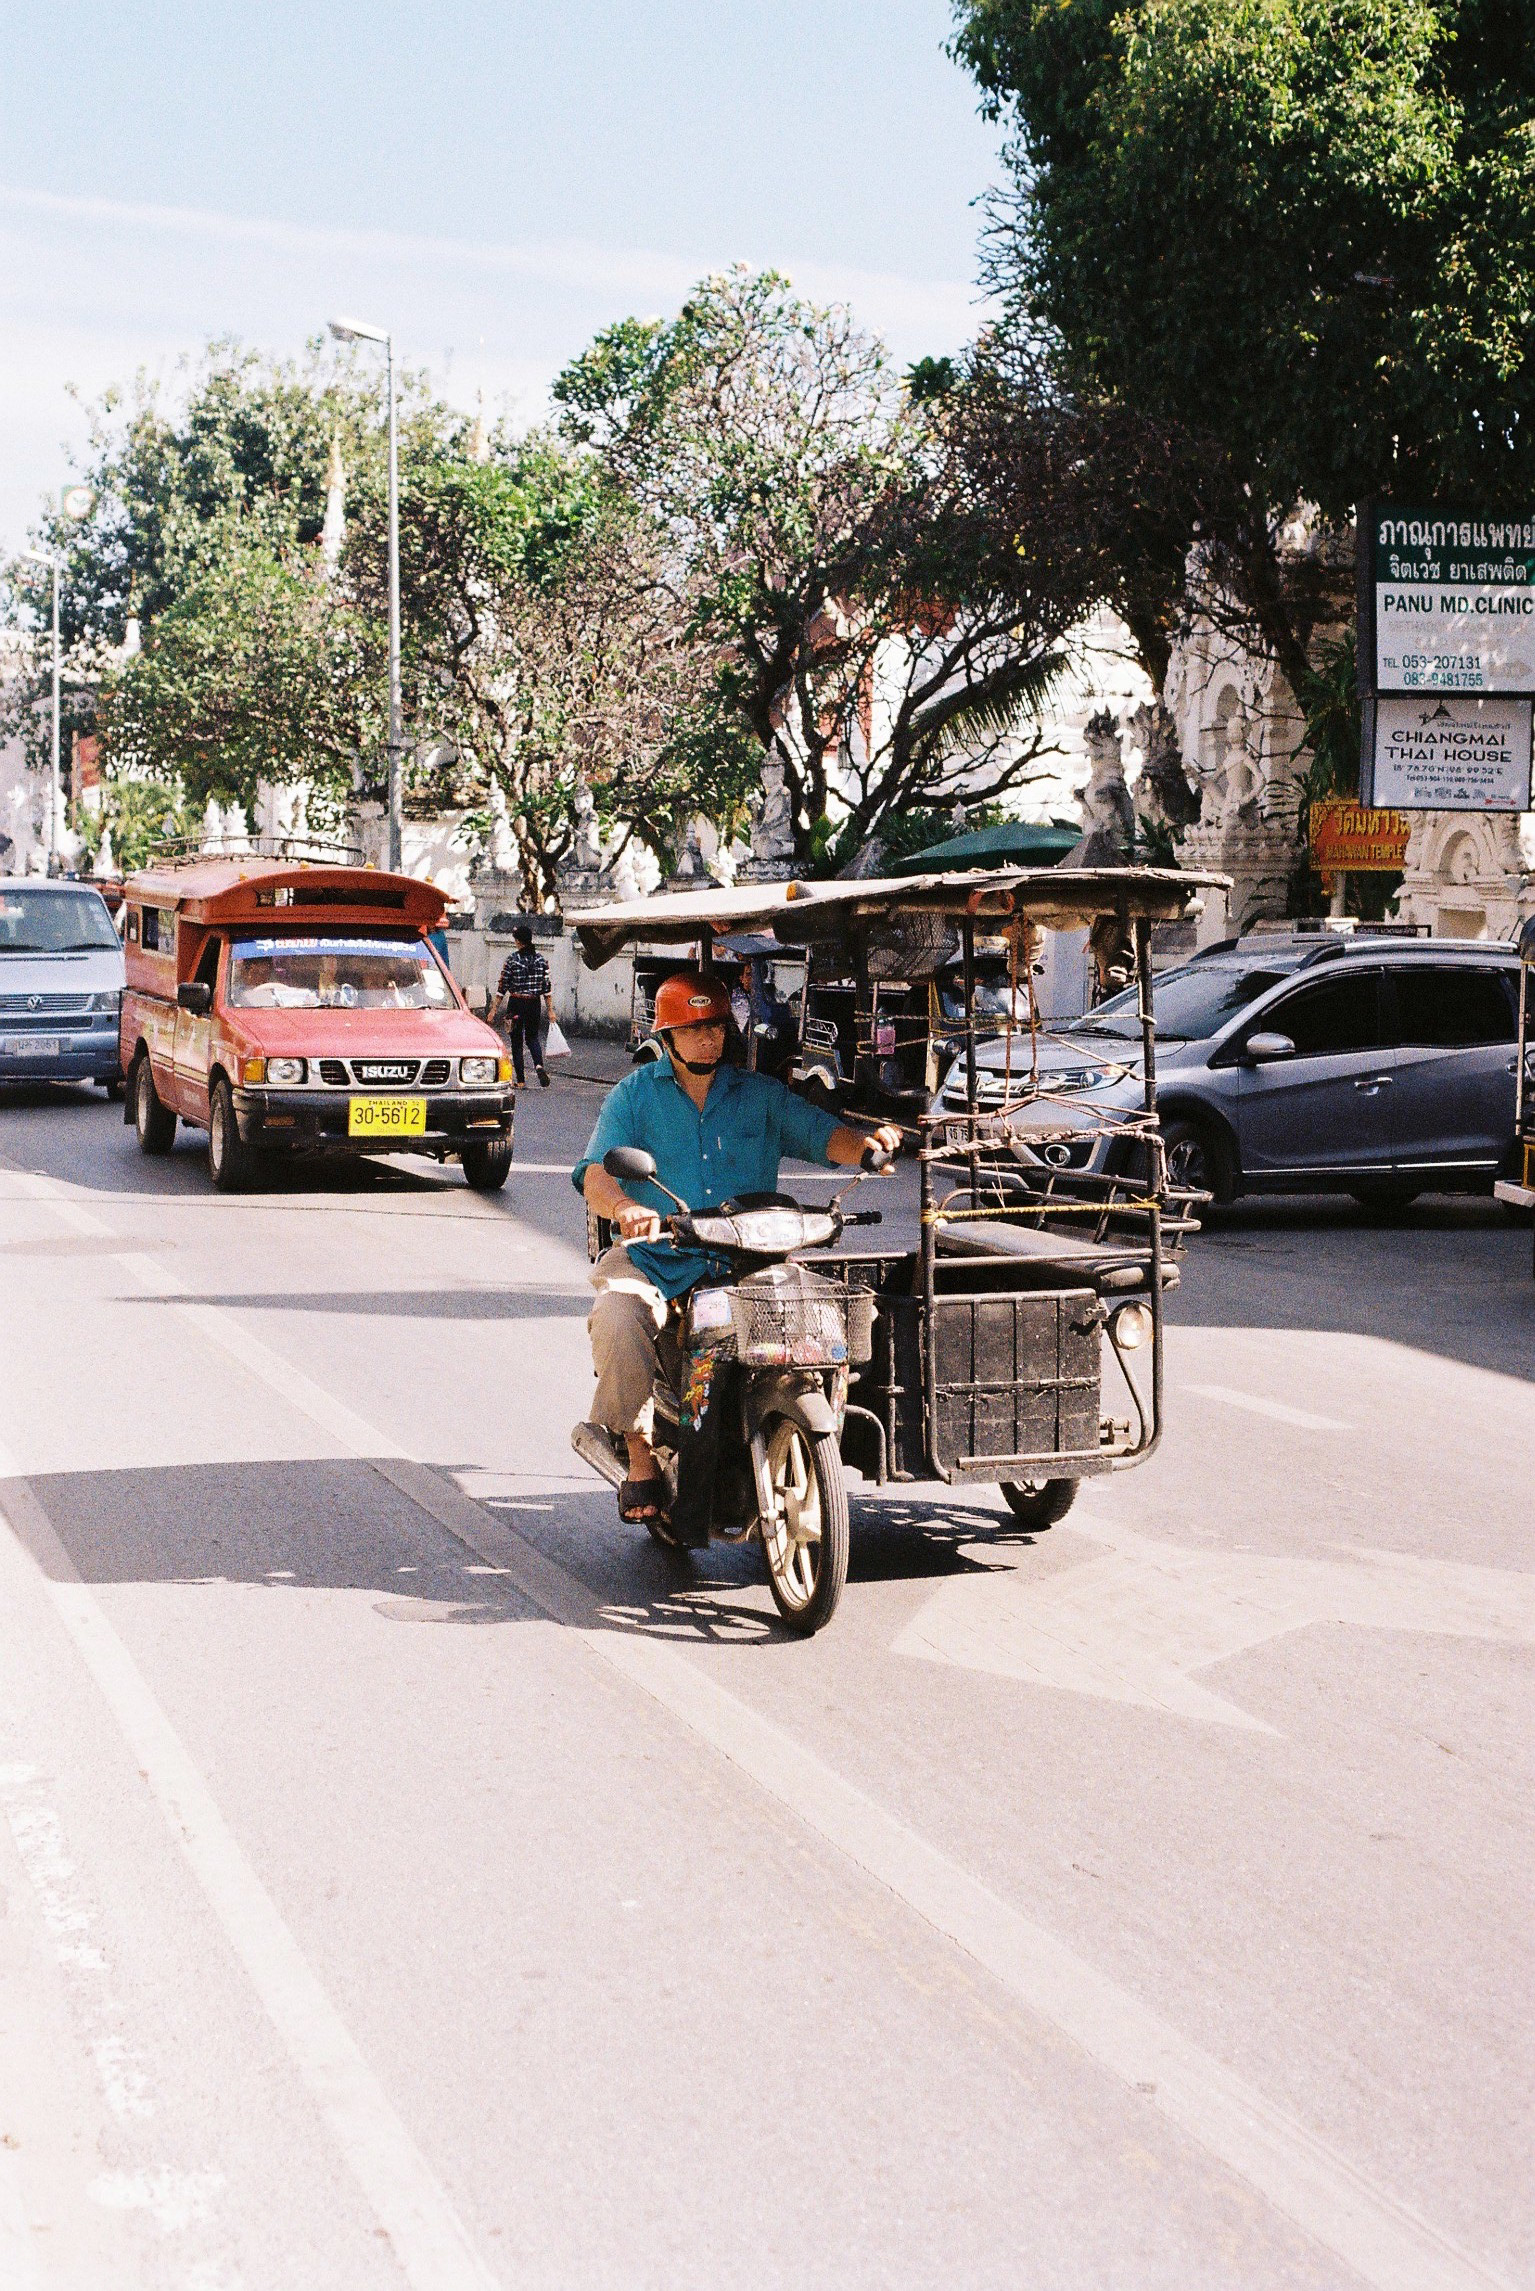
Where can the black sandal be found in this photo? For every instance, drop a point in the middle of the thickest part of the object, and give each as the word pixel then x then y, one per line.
pixel 642 1502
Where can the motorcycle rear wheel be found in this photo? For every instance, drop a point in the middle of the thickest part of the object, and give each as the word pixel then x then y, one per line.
pixel 807 1544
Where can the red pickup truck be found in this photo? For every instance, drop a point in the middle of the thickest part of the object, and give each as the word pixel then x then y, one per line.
pixel 292 1008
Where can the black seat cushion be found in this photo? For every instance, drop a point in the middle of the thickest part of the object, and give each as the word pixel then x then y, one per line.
pixel 1113 1265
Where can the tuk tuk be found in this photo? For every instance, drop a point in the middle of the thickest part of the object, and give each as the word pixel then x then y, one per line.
pixel 1518 1189
pixel 1019 1341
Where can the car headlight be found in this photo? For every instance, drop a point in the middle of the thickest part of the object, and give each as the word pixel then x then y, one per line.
pixel 287 1070
pixel 1131 1327
pixel 477 1069
pixel 109 999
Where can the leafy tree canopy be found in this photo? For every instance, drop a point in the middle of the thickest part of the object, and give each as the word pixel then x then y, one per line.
pixel 1296 227
pixel 883 618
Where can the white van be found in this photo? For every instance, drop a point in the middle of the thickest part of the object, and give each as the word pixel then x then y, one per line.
pixel 61 984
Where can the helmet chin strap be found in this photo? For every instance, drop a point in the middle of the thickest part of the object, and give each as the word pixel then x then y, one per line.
pixel 694 1065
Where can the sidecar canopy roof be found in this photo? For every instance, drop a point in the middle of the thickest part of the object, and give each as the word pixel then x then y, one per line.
pixel 842 912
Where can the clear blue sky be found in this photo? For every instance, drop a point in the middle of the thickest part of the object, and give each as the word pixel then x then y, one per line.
pixel 494 181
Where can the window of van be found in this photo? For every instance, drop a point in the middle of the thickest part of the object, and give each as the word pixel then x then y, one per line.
pixel 37 922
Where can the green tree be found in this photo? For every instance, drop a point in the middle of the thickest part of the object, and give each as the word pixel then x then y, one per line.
pixel 205 532
pixel 864 626
pixel 545 652
pixel 1296 229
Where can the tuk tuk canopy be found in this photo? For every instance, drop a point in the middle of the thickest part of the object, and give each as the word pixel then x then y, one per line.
pixel 864 913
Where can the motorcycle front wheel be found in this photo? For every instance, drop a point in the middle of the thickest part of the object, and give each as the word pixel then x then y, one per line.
pixel 807 1543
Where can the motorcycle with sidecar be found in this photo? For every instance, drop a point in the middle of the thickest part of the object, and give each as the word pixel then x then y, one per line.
pixel 1018 1339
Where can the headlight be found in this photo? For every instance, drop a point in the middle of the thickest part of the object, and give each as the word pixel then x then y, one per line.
pixel 1131 1327
pixel 287 1070
pixel 477 1069
pixel 109 999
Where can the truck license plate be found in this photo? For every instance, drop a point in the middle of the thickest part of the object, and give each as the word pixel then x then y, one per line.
pixel 30 1045
pixel 386 1118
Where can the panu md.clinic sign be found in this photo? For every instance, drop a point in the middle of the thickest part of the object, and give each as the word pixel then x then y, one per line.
pixel 1447 659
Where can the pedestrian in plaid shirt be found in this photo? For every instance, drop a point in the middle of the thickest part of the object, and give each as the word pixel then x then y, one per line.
pixel 527 992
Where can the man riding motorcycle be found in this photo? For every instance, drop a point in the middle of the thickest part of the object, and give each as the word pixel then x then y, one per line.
pixel 716 1132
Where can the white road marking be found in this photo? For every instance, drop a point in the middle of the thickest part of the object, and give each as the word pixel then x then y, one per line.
pixel 1387 2244
pixel 1132 1625
pixel 1279 1410
pixel 428 2238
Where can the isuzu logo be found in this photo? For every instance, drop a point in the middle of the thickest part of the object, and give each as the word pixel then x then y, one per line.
pixel 376 1071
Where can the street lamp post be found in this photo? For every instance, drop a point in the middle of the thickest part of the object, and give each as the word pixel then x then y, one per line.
pixel 353 330
pixel 51 560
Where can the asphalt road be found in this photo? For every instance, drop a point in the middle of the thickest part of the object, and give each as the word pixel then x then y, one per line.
pixel 410 1876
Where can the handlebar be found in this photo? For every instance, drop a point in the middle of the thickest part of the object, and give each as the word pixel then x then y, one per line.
pixel 874 1159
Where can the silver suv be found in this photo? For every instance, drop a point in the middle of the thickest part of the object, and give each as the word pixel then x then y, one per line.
pixel 1372 1066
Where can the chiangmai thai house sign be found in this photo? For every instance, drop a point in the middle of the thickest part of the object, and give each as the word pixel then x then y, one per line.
pixel 1447 658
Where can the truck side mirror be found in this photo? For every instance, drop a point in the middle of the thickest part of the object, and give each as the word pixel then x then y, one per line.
pixel 1266 1049
pixel 196 997
pixel 629 1164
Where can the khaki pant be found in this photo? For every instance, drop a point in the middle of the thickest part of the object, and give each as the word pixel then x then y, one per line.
pixel 632 1342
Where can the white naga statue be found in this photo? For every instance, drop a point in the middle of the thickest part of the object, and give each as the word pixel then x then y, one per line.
pixel 586 844
pixel 772 834
pixel 1108 815
pixel 503 844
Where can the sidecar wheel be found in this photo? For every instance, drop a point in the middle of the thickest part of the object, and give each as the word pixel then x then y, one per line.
pixel 1040 1503
pixel 807 1545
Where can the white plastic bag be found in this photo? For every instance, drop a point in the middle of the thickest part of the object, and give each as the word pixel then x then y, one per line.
pixel 556 1045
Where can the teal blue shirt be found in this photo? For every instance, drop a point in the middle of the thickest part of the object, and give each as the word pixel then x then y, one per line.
pixel 733 1147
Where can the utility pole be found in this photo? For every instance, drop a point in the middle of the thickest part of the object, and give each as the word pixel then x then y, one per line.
pixel 353 330
pixel 51 560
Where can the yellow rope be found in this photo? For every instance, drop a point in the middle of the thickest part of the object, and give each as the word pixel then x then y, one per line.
pixel 1050 1208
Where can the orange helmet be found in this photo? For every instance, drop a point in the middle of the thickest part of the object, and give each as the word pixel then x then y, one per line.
pixel 690 998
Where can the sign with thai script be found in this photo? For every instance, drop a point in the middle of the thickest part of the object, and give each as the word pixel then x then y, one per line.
pixel 1438 751
pixel 1454 602
pixel 1356 839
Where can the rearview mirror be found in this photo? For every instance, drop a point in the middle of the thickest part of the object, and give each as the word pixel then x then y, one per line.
pixel 195 996
pixel 1266 1049
pixel 629 1163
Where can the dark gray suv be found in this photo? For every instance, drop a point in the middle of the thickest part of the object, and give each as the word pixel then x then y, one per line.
pixel 1373 1066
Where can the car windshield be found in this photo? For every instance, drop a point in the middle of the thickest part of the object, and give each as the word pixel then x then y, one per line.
pixel 1191 1004
pixel 336 974
pixel 53 922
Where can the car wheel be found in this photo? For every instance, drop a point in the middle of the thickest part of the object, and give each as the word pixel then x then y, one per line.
pixel 1198 1160
pixel 230 1162
pixel 154 1122
pixel 487 1163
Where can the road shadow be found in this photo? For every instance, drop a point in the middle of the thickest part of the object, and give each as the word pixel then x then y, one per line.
pixel 340 1524
pixel 1450 1275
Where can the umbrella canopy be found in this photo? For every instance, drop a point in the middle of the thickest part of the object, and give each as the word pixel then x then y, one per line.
pixel 1015 843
